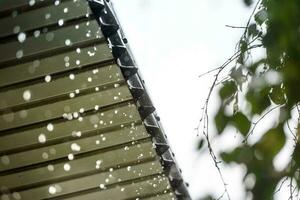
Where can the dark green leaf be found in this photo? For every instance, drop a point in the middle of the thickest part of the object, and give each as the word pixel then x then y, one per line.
pixel 252 30
pixel 221 121
pixel 229 88
pixel 200 144
pixel 241 122
pixel 248 2
pixel 261 16
pixel 271 142
pixel 277 95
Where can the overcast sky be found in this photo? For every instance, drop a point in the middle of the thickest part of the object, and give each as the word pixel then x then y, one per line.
pixel 173 41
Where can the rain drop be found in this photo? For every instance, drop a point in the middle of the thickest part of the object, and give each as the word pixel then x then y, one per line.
pixel 67 167
pixel 36 33
pixel 75 147
pixel 31 2
pixel 16 29
pixel 50 127
pixel 21 37
pixel 27 95
pixel 52 190
pixel 42 138
pixel 60 22
pixel 48 78
pixel 71 156
pixel 19 54
pixel 67 42
pixel 57 2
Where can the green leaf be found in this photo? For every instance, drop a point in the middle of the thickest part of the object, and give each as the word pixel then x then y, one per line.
pixel 229 88
pixel 252 30
pixel 243 154
pixel 277 95
pixel 259 100
pixel 261 16
pixel 241 122
pixel 271 142
pixel 200 144
pixel 248 2
pixel 221 121
pixel 237 75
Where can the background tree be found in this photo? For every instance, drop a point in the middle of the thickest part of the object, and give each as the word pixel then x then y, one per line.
pixel 264 75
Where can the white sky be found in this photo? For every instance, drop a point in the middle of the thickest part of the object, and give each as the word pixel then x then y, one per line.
pixel 173 42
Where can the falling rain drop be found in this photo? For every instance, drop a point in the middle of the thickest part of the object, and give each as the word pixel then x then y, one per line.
pixel 57 2
pixel 16 195
pixel 19 54
pixel 67 42
pixel 67 167
pixel 75 147
pixel 52 190
pixel 21 37
pixel 49 36
pixel 16 29
pixel 36 33
pixel 71 156
pixel 48 78
pixel 27 95
pixel 42 138
pixel 60 22
pixel 50 127
pixel 31 2
pixel 72 95
pixel 5 160
pixel 102 186
pixel 72 76
pixel 50 168
pixel 47 16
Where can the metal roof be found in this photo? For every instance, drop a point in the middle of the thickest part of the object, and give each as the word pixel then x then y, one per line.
pixel 75 119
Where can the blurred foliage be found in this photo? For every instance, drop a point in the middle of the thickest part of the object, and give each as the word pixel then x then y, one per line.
pixel 267 81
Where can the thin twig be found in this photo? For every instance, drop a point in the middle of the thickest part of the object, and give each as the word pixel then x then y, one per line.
pixel 257 121
pixel 230 26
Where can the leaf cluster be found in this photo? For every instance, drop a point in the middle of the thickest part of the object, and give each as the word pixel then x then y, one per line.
pixel 267 82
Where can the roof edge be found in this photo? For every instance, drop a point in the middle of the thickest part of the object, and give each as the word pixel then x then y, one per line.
pixel 111 29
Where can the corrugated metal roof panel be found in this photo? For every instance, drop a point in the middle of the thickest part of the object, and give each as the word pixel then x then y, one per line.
pixel 75 124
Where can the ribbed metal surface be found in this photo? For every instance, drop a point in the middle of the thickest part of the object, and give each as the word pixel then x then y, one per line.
pixel 70 127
